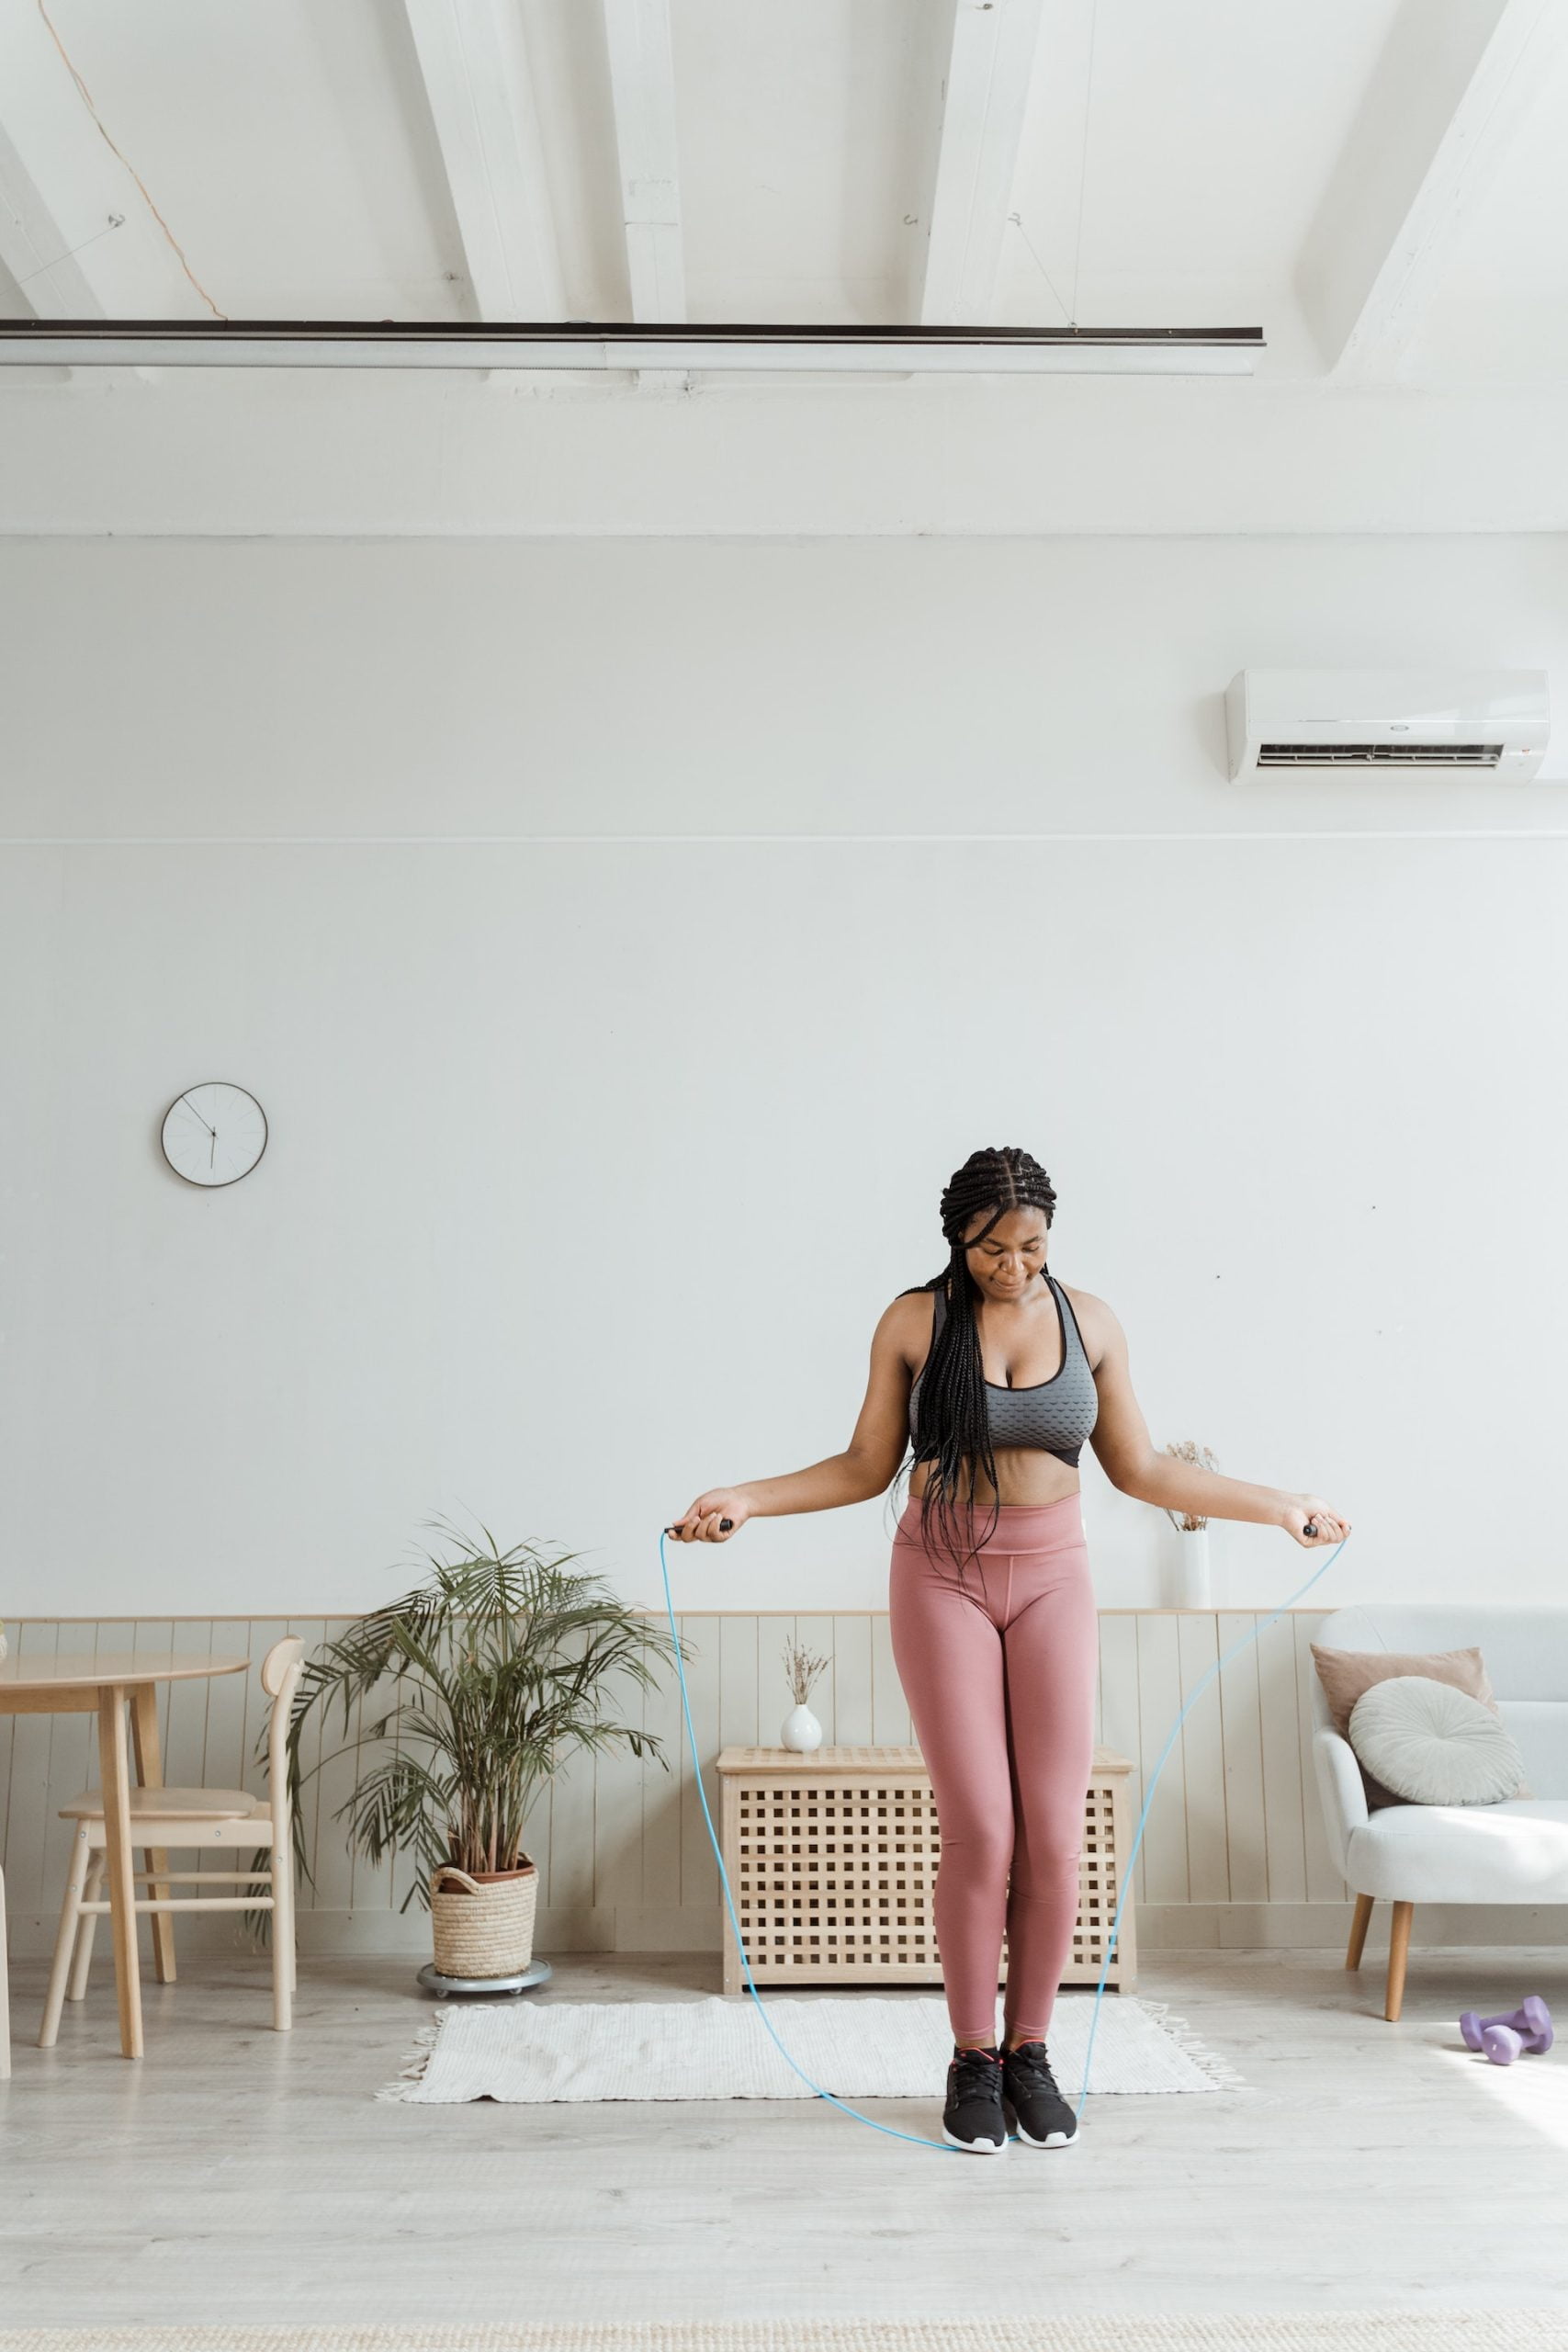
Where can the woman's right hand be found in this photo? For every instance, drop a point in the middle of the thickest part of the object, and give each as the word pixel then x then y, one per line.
pixel 701 1522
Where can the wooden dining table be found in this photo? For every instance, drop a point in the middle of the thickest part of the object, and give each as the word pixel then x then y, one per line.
pixel 107 1686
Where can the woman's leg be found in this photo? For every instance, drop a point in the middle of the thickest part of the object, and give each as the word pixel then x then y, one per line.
pixel 1052 1647
pixel 948 1656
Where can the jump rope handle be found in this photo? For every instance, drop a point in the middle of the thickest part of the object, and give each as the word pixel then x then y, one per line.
pixel 1311 1527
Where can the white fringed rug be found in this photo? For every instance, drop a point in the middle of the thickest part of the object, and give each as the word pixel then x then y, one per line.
pixel 1436 2331
pixel 856 2046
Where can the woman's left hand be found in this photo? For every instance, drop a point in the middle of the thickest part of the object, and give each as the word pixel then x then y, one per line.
pixel 1309 1519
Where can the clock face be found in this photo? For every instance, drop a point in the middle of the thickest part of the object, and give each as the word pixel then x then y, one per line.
pixel 214 1134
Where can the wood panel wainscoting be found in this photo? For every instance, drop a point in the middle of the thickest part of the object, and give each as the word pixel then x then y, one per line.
pixel 1233 1854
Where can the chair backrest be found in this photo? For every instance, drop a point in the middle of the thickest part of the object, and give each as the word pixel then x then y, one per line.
pixel 1525 1651
pixel 280 1672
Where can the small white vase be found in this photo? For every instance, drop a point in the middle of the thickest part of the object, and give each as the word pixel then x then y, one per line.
pixel 801 1731
pixel 1194 1578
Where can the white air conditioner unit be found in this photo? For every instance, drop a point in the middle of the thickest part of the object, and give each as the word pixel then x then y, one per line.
pixel 1398 722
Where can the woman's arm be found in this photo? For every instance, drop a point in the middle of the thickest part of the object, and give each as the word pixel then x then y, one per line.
pixel 865 1467
pixel 1126 1453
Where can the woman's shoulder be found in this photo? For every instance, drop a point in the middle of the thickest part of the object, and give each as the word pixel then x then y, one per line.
pixel 907 1323
pixel 1098 1326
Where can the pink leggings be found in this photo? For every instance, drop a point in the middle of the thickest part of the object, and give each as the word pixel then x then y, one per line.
pixel 1000 1680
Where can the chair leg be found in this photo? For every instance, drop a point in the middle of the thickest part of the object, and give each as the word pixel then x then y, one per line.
pixel 5 1991
pixel 77 1988
pixel 1398 1949
pixel 65 1941
pixel 1359 1927
pixel 149 1773
pixel 282 1937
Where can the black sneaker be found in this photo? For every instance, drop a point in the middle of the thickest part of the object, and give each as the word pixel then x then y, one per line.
pixel 1043 2118
pixel 973 2117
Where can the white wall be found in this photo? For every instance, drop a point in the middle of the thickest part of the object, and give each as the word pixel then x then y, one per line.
pixel 391 454
pixel 594 1158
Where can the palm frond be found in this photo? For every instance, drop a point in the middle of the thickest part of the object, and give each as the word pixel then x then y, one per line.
pixel 483 1678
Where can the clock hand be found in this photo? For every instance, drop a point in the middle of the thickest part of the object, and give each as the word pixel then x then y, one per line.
pixel 196 1115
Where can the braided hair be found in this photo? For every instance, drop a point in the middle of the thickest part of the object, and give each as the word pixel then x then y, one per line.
pixel 951 1423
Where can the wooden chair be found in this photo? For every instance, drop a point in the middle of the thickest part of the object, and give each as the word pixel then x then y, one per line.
pixel 162 1818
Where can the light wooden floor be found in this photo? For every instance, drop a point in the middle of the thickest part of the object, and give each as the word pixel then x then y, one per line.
pixel 251 2177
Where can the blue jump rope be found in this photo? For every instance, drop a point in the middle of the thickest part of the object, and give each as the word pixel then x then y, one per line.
pixel 938 2147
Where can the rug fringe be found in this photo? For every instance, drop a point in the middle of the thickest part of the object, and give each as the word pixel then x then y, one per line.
pixel 412 2070
pixel 1500 2330
pixel 1220 2071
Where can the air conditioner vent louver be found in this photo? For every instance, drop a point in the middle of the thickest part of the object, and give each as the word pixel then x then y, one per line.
pixel 1379 756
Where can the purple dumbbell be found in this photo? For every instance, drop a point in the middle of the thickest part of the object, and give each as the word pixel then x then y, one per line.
pixel 1503 2039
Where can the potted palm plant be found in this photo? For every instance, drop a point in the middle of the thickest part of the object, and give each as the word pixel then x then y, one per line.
pixel 476 1685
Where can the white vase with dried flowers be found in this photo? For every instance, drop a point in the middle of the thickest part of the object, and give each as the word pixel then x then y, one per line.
pixel 802 1732
pixel 1194 1577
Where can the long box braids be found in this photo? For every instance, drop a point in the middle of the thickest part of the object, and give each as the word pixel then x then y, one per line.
pixel 951 1423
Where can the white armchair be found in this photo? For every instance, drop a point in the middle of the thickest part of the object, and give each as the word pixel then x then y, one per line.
pixel 1512 1852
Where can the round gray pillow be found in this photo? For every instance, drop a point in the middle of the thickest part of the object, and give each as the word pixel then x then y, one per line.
pixel 1433 1745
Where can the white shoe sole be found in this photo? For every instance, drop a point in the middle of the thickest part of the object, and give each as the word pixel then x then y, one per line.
pixel 1052 2139
pixel 976 2147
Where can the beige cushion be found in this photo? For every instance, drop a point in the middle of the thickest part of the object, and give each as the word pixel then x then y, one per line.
pixel 172 1804
pixel 1346 1674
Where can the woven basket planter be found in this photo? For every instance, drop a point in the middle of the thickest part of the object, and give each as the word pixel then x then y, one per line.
pixel 484 1925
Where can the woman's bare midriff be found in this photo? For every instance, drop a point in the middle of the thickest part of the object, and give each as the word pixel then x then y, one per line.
pixel 1024 1475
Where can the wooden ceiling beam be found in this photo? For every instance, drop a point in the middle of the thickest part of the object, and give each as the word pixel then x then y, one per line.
pixel 77 231
pixel 989 66
pixel 642 88
pixel 481 92
pixel 1451 88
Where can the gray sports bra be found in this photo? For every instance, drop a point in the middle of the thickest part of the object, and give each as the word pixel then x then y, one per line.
pixel 1056 1414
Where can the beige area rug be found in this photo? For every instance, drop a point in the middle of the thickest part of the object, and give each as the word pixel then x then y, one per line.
pixel 863 2046
pixel 1503 2331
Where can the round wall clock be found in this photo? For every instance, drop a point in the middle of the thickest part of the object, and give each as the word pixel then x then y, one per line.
pixel 214 1134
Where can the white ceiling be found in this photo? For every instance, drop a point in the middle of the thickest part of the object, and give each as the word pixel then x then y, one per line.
pixel 1381 185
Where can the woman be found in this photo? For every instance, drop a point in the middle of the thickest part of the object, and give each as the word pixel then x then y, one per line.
pixel 996 1376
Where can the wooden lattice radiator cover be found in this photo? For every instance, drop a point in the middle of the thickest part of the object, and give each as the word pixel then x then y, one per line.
pixel 832 1860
